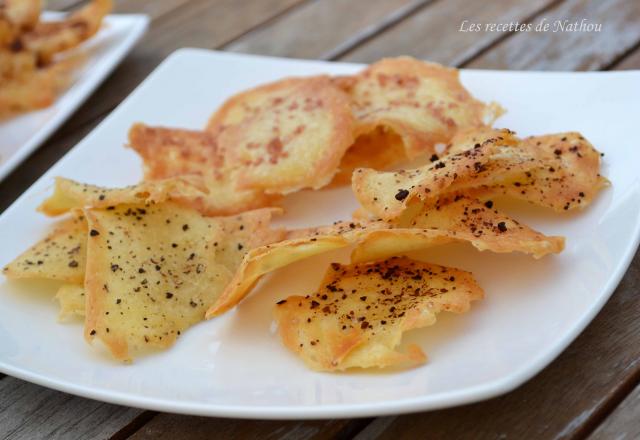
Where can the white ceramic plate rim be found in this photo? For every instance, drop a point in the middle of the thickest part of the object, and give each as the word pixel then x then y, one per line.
pixel 80 92
pixel 396 406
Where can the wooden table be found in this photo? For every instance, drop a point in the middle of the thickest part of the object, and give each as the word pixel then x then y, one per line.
pixel 592 390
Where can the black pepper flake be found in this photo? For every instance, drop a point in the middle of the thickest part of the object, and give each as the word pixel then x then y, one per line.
pixel 314 304
pixel 488 204
pixel 93 233
pixel 192 303
pixel 364 325
pixel 402 194
pixel 73 263
pixel 240 246
pixel 439 165
pixel 434 157
pixel 92 332
pixel 168 295
pixel 114 267
pixel 502 227
pixel 101 197
pixel 118 301
pixel 282 301
pixel 185 227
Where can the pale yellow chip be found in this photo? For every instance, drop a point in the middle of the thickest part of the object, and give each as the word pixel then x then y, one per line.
pixel 69 194
pixel 460 219
pixel 61 255
pixel 424 103
pixel 358 315
pixel 273 135
pixel 569 179
pixel 151 273
pixel 388 194
pixel 171 152
pixel 72 301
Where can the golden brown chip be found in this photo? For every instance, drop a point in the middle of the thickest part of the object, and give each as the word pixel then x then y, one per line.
pixel 15 64
pixel 27 92
pixel 458 219
pixel 378 149
pixel 424 103
pixel 274 134
pixel 170 152
pixel 358 316
pixel 24 14
pixel 72 301
pixel 61 255
pixel 151 273
pixel 299 245
pixel 49 38
pixel 388 194
pixel 69 194
pixel 464 220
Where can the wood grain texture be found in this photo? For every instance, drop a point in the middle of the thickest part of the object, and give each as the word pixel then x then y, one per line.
pixel 323 28
pixel 40 161
pixel 60 5
pixel 32 412
pixel 433 33
pixel 566 400
pixel 570 50
pixel 171 426
pixel 623 423
pixel 630 62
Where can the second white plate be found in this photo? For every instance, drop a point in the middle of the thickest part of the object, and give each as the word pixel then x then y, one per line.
pixel 22 134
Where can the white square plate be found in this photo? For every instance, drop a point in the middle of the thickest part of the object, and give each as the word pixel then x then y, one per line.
pixel 21 135
pixel 235 366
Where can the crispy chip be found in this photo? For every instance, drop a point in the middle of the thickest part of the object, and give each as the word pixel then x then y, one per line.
pixel 72 301
pixel 61 255
pixel 464 219
pixel 569 179
pixel 169 152
pixel 388 194
pixel 358 316
pixel 69 194
pixel 274 134
pixel 24 14
pixel 459 219
pixel 151 273
pixel 300 244
pixel 378 149
pixel 49 38
pixel 424 103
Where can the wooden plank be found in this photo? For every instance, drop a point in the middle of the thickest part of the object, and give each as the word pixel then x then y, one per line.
pixel 566 400
pixel 171 426
pixel 25 174
pixel 570 50
pixel 433 33
pixel 630 62
pixel 29 411
pixel 624 422
pixel 60 5
pixel 336 25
